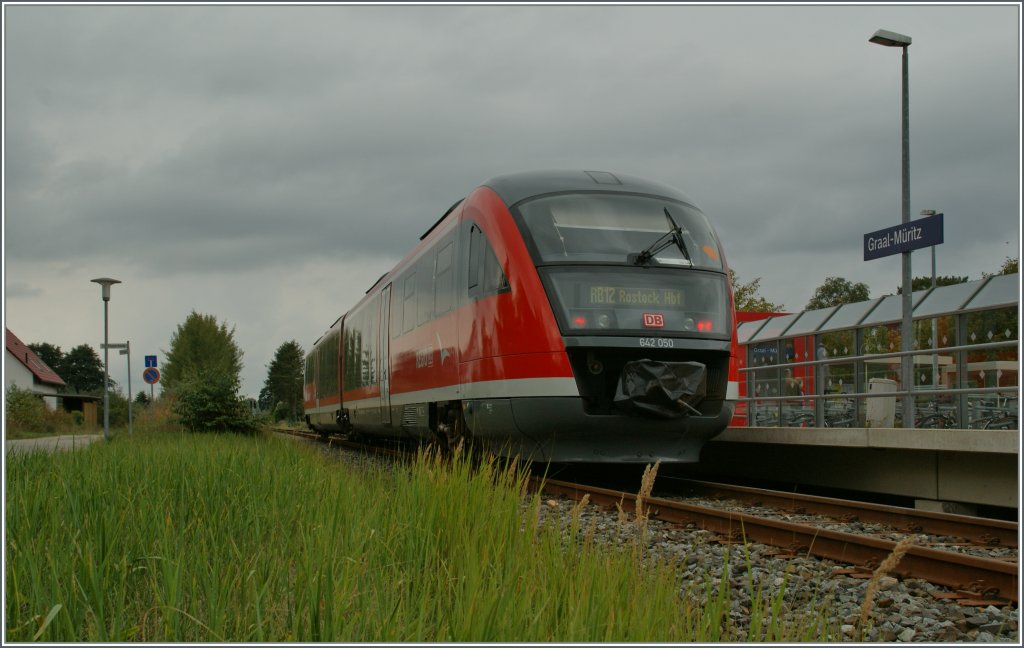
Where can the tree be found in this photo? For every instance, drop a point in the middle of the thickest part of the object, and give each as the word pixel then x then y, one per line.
pixel 142 398
pixel 50 354
pixel 836 291
pixel 265 401
pixel 924 283
pixel 82 370
pixel 1010 266
pixel 201 347
pixel 201 374
pixel 284 380
pixel 747 298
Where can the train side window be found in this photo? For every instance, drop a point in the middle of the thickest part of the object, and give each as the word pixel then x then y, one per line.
pixel 475 240
pixel 425 288
pixel 494 280
pixel 396 308
pixel 485 274
pixel 443 287
pixel 409 305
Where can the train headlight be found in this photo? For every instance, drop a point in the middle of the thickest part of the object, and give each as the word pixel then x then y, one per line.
pixel 578 320
pixel 688 324
pixel 603 321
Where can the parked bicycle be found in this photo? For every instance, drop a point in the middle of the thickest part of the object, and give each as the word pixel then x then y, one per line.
pixel 840 413
pixel 935 418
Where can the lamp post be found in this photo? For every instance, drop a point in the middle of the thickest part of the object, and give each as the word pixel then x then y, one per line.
pixel 932 212
pixel 935 341
pixel 106 283
pixel 892 39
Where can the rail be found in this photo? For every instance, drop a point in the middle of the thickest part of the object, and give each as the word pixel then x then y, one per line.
pixel 983 576
pixel 840 408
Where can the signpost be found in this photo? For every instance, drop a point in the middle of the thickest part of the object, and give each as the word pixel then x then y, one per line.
pixel 920 233
pixel 152 376
pixel 904 239
pixel 125 349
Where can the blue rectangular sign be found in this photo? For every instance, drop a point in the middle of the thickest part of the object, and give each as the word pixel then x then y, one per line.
pixel 151 361
pixel 921 233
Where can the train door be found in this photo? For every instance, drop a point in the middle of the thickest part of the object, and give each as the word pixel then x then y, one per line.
pixel 384 331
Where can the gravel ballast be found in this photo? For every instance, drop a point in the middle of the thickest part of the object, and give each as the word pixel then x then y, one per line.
pixel 903 610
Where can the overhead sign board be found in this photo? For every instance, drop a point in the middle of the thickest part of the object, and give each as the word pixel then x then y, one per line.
pixel 151 361
pixel 905 237
pixel 151 375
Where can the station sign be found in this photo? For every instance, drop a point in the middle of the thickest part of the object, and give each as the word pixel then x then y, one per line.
pixel 905 237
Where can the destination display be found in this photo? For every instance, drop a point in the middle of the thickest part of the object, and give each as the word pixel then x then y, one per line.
pixel 920 233
pixel 626 296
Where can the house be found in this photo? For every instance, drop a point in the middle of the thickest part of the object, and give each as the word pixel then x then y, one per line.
pixel 22 367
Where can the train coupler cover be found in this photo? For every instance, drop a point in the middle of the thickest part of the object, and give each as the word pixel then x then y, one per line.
pixel 664 390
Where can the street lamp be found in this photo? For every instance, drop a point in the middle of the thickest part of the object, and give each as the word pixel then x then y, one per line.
pixel 932 212
pixel 106 283
pixel 935 342
pixel 892 39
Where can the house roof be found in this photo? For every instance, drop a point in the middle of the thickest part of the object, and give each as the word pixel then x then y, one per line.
pixel 28 357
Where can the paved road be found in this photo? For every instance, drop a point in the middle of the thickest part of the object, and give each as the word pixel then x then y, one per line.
pixel 63 442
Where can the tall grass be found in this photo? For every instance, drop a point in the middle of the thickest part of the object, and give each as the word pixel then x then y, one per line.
pixel 180 537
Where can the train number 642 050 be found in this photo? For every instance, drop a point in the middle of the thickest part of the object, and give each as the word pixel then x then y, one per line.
pixel 658 343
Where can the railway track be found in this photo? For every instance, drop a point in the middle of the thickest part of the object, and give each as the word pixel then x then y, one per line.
pixel 973 578
pixel 965 530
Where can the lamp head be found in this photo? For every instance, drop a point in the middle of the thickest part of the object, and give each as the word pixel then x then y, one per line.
pixel 106 283
pixel 890 39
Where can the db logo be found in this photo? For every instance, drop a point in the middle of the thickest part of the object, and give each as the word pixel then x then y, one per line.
pixel 654 320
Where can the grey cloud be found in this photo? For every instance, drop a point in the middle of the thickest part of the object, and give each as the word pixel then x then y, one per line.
pixel 219 140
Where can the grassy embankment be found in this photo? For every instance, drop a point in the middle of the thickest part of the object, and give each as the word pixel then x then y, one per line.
pixel 181 537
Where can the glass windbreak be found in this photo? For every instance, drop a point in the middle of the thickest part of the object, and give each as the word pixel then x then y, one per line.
pixel 606 227
pixel 935 372
pixel 764 383
pixel 650 301
pixel 993 367
pixel 838 378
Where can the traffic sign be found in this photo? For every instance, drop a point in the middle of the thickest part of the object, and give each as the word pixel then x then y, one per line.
pixel 151 375
pixel 151 361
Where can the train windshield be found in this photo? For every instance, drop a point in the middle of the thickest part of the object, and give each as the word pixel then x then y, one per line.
pixel 606 227
pixel 645 301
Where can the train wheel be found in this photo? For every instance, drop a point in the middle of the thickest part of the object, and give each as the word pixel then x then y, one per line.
pixel 453 434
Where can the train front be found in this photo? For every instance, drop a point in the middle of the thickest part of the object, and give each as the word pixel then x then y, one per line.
pixel 640 290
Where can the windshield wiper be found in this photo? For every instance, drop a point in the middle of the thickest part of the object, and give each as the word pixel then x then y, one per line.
pixel 674 235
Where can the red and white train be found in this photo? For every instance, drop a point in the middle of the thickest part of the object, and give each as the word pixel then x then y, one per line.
pixel 558 316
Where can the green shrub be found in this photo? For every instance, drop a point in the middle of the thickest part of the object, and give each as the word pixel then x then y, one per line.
pixel 26 411
pixel 210 403
pixel 280 412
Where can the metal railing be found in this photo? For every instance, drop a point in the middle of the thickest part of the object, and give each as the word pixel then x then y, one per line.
pixel 846 409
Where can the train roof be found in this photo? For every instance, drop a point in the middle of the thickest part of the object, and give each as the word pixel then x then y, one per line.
pixel 516 187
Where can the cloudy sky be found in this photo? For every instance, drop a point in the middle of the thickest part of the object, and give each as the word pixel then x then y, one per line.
pixel 265 164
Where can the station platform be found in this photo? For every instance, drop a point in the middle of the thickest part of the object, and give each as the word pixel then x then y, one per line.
pixel 954 471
